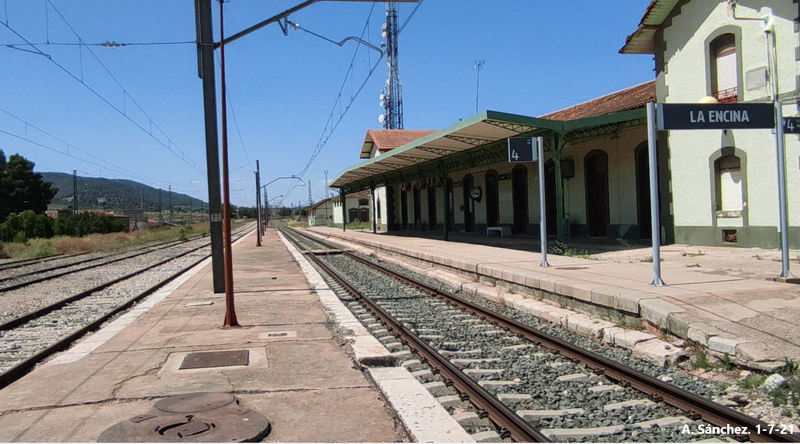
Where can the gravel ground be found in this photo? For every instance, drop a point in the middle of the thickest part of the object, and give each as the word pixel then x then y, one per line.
pixel 20 343
pixel 66 262
pixel 509 366
pixel 18 302
pixel 26 340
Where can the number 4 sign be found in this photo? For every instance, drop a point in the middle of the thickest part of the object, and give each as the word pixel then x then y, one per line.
pixel 791 125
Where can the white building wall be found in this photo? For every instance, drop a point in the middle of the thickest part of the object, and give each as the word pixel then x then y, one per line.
pixel 685 77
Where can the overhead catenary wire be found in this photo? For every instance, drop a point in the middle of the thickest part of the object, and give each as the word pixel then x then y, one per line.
pixel 326 132
pixel 106 165
pixel 236 121
pixel 169 145
pixel 106 44
pixel 331 126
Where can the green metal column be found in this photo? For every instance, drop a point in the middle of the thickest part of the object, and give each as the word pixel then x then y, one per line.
pixel 445 203
pixel 555 147
pixel 374 210
pixel 344 210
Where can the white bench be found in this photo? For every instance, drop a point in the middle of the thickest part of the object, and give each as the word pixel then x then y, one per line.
pixel 503 231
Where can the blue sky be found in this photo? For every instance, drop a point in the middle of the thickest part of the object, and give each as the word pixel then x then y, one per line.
pixel 540 56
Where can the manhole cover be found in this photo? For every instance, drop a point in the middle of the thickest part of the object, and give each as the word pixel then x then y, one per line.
pixel 194 402
pixel 196 417
pixel 215 359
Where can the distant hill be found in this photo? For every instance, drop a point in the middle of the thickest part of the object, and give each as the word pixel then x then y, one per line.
pixel 115 194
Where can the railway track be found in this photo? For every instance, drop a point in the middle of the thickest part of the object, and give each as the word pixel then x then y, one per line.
pixel 559 391
pixel 10 280
pixel 12 264
pixel 30 338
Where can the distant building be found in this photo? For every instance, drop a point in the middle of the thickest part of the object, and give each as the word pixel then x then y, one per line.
pixel 357 210
pixel 321 213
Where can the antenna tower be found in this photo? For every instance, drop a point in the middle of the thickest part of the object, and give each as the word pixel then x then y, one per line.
pixel 392 97
pixel 310 199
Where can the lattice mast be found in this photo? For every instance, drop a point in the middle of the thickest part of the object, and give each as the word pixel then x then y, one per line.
pixel 310 199
pixel 392 96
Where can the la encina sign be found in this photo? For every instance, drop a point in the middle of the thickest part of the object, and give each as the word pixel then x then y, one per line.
pixel 686 116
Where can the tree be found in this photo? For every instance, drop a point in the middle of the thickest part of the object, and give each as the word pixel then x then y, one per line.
pixel 21 188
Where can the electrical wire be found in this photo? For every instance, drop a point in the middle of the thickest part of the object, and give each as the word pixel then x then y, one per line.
pixel 94 162
pixel 235 121
pixel 169 145
pixel 324 139
pixel 107 44
pixel 330 125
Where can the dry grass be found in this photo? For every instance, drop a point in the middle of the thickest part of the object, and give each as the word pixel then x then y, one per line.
pixel 38 248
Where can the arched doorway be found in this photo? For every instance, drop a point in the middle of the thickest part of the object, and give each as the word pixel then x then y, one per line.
pixel 550 196
pixel 492 198
pixel 404 208
pixel 417 210
pixel 596 170
pixel 451 203
pixel 431 207
pixel 519 197
pixel 643 191
pixel 469 210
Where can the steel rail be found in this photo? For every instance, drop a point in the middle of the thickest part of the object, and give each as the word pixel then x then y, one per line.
pixel 72 264
pixel 19 370
pixel 28 262
pixel 511 424
pixel 10 265
pixel 695 406
pixel 39 312
pixel 144 250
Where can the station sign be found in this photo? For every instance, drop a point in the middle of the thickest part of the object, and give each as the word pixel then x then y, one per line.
pixel 688 116
pixel 791 125
pixel 522 149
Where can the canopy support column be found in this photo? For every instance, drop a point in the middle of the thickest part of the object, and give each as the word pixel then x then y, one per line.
pixel 445 203
pixel 374 210
pixel 344 209
pixel 555 147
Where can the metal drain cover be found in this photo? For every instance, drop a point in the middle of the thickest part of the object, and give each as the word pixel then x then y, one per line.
pixel 194 402
pixel 196 417
pixel 215 359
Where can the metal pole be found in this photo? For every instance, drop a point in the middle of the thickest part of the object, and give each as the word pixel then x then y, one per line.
pixel 258 204
pixel 784 218
pixel 205 49
pixel 445 203
pixel 75 192
pixel 169 199
pixel 141 197
pixel 230 309
pixel 344 210
pixel 542 203
pixel 160 217
pixel 374 214
pixel 654 213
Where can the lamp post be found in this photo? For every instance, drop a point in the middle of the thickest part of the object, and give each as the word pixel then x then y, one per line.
pixel 205 50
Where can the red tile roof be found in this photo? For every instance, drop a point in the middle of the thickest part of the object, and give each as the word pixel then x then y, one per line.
pixel 634 97
pixel 385 140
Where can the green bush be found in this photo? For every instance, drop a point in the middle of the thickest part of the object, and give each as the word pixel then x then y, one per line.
pixel 20 237
pixel 29 225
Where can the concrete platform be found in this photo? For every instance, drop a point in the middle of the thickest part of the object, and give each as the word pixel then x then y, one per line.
pixel 739 314
pixel 299 376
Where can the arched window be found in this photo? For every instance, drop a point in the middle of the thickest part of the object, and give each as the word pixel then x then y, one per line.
pixel 725 69
pixel 729 179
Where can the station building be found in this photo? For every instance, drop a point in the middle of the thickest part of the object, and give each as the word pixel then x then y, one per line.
pixel 723 184
pixel 356 208
pixel 715 187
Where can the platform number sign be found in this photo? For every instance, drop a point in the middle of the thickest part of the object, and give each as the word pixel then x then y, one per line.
pixel 522 149
pixel 791 125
